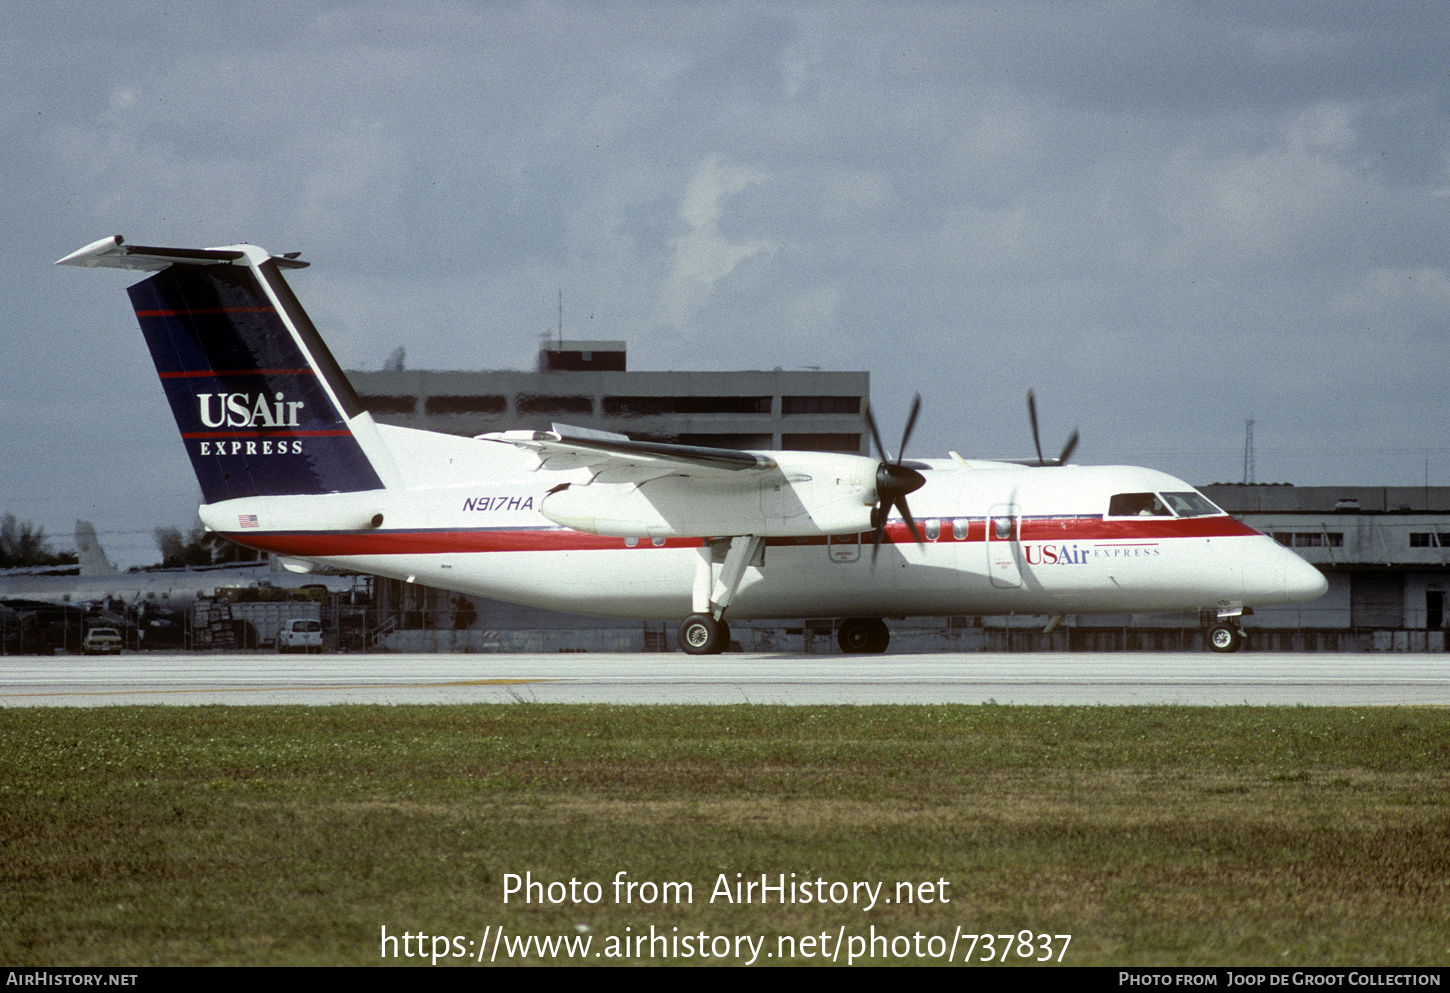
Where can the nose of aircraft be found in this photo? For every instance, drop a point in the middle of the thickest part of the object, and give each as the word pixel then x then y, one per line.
pixel 1278 575
pixel 1303 581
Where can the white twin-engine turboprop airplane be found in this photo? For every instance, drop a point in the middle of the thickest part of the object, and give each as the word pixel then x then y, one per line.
pixel 590 521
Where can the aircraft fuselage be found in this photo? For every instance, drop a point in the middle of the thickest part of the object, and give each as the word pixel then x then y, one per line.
pixel 999 539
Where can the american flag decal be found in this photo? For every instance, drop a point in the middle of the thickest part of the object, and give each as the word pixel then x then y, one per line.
pixel 248 520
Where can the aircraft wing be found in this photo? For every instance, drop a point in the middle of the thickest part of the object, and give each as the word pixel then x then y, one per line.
pixel 567 447
pixel 647 489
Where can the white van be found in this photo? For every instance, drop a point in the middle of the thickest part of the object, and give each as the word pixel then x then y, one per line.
pixel 300 635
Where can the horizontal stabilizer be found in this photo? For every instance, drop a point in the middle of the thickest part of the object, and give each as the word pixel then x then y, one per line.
pixel 113 253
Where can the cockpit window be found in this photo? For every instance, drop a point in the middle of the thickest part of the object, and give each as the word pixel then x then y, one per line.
pixel 1138 505
pixel 1191 504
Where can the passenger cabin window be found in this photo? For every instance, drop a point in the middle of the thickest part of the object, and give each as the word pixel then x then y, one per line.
pixel 1138 505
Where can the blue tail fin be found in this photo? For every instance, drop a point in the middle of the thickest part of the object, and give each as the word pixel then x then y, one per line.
pixel 263 407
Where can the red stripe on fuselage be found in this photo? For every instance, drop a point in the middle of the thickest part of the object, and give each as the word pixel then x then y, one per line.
pixel 341 543
pixel 202 373
pixel 267 434
pixel 327 543
pixel 1060 529
pixel 1131 528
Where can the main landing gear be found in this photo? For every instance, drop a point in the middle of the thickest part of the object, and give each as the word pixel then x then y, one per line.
pixel 863 635
pixel 719 569
pixel 701 634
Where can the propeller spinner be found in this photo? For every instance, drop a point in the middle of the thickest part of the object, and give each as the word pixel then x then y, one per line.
pixel 893 481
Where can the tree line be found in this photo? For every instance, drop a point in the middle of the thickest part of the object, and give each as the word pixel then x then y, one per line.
pixel 24 544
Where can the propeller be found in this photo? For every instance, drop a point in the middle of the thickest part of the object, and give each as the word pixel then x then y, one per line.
pixel 1066 450
pixel 893 481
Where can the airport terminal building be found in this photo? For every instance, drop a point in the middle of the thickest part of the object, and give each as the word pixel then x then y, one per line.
pixel 586 384
pixel 1384 549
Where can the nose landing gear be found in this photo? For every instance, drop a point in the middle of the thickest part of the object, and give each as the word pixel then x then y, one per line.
pixel 1223 633
pixel 1225 637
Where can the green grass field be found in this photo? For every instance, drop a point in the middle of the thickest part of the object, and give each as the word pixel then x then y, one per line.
pixel 1151 835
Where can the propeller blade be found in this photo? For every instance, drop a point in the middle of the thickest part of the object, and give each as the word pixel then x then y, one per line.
pixel 893 482
pixel 1067 449
pixel 1037 440
pixel 910 523
pixel 880 531
pixel 1032 416
pixel 910 423
pixel 875 435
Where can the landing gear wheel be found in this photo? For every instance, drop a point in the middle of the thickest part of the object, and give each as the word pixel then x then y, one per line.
pixel 863 635
pixel 1225 638
pixel 701 634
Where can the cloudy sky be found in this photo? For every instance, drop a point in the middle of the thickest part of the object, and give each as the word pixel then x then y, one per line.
pixel 1166 217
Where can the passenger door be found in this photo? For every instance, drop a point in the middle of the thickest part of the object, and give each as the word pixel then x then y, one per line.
pixel 1004 552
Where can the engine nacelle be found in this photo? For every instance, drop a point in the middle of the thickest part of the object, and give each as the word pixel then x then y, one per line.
pixel 807 494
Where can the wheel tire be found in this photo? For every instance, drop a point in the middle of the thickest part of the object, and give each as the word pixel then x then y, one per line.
pixel 863 635
pixel 1225 638
pixel 701 634
pixel 882 639
pixel 854 636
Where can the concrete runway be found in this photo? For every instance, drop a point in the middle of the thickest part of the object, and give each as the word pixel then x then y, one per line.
pixel 1078 678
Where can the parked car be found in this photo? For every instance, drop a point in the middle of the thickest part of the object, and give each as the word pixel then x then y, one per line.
pixel 102 641
pixel 300 635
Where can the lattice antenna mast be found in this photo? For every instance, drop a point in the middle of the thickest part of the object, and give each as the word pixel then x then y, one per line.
pixel 1249 450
